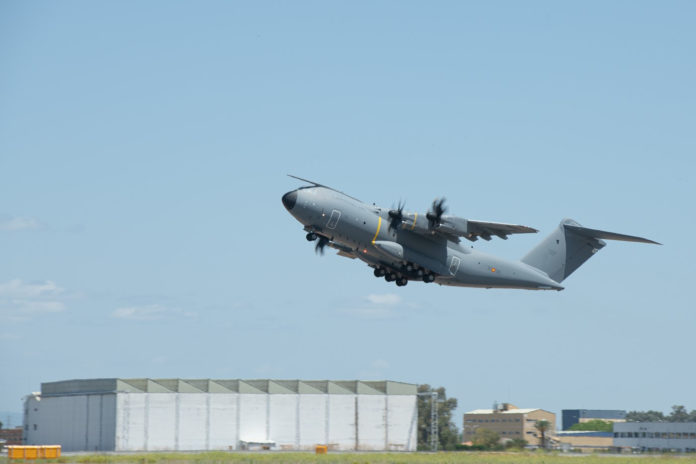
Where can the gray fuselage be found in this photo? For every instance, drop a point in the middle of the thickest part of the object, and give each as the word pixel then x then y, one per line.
pixel 359 230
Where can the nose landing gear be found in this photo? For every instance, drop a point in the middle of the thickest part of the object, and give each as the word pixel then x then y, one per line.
pixel 311 237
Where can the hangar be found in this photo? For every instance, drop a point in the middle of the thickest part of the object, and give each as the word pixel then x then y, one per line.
pixel 205 414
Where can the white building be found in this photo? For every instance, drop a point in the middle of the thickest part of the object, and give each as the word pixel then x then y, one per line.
pixel 175 414
pixel 656 436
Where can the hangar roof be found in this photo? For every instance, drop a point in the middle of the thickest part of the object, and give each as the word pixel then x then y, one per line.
pixel 258 386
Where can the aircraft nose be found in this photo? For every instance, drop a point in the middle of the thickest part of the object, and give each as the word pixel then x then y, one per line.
pixel 289 200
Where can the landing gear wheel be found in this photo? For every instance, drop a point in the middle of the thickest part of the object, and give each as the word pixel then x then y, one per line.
pixel 390 277
pixel 419 272
pixel 402 281
pixel 379 272
pixel 428 278
pixel 311 237
pixel 409 268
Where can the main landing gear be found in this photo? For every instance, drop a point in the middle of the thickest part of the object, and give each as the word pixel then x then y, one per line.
pixel 427 278
pixel 311 237
pixel 402 280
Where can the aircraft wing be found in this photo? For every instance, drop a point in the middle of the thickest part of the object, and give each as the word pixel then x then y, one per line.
pixel 453 227
pixel 487 229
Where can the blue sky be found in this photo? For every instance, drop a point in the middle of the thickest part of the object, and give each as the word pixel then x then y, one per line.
pixel 144 149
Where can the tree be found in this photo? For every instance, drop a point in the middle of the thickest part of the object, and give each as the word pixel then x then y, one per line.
pixel 516 443
pixel 645 416
pixel 594 425
pixel 678 414
pixel 542 426
pixel 0 425
pixel 448 433
pixel 486 437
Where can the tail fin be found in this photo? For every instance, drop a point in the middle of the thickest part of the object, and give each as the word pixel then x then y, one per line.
pixel 569 246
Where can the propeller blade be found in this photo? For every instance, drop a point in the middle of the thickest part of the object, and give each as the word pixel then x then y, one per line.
pixel 321 243
pixel 435 214
pixel 396 216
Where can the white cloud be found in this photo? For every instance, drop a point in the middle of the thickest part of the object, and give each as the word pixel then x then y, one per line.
pixel 371 312
pixel 150 312
pixel 377 306
pixel 29 306
pixel 387 299
pixel 16 288
pixel 18 223
pixel 140 313
pixel 20 300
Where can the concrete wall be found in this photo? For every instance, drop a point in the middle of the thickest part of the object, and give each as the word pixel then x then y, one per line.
pixel 77 423
pixel 198 421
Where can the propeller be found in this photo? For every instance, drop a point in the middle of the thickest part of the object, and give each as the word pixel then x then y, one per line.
pixel 435 214
pixel 321 243
pixel 396 216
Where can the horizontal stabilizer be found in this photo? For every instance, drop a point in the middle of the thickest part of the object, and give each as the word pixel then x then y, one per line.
pixel 570 245
pixel 595 233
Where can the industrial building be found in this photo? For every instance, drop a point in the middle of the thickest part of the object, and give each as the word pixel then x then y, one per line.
pixel 509 422
pixel 584 440
pixel 175 414
pixel 656 436
pixel 570 417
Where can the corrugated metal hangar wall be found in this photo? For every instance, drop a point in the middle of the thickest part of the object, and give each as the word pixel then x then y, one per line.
pixel 175 414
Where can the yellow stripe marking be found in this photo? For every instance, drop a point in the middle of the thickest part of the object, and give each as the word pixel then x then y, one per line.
pixel 379 226
pixel 414 222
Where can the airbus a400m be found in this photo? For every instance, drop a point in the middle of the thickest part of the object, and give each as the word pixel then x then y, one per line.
pixel 402 246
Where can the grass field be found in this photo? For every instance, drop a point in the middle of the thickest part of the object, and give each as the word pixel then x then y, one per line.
pixel 365 458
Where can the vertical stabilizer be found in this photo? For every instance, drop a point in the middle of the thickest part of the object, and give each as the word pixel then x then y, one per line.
pixel 569 246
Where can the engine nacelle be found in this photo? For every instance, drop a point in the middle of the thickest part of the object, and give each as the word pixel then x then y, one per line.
pixel 453 225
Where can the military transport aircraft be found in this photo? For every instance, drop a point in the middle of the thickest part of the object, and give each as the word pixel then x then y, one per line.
pixel 403 246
